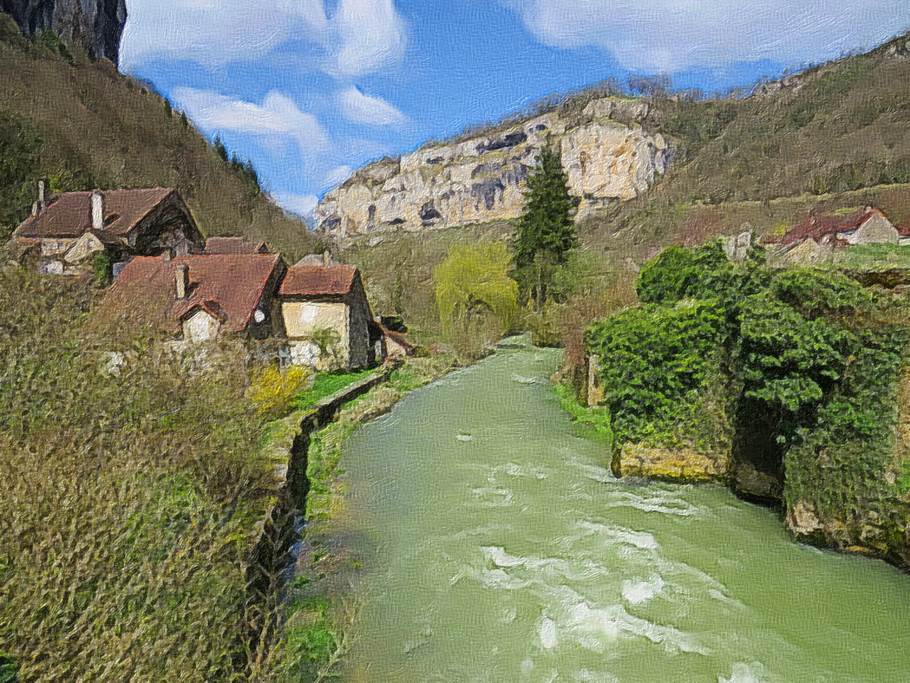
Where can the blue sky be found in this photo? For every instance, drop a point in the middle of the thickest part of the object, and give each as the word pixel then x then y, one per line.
pixel 310 89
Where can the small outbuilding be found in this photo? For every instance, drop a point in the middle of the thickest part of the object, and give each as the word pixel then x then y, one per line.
pixel 326 315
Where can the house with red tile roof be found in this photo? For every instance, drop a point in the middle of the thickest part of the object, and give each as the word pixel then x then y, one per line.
pixel 201 296
pixel 327 317
pixel 818 235
pixel 68 230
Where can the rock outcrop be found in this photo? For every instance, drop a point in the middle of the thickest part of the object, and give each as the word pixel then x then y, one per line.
pixel 606 152
pixel 93 25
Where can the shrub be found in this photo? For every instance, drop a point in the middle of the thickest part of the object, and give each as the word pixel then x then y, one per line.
pixel 273 390
pixel 659 370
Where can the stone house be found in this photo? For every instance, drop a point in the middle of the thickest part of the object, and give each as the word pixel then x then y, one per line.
pixel 818 235
pixel 326 316
pixel 199 297
pixel 67 231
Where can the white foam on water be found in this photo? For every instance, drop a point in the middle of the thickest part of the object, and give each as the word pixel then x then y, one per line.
pixel 521 379
pixel 464 438
pixel 542 569
pixel 596 473
pixel 493 497
pixel 755 672
pixel 586 676
pixel 659 502
pixel 638 592
pixel 619 535
pixel 548 633
pixel 527 666
pixel 499 579
pixel 509 614
pixel 513 469
pixel 595 628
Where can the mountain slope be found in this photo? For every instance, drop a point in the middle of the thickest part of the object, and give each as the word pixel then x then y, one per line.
pixel 83 125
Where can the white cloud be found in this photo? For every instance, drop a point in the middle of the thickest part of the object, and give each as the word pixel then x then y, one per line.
pixel 301 204
pixel 361 36
pixel 361 108
pixel 338 175
pixel 371 33
pixel 671 35
pixel 278 115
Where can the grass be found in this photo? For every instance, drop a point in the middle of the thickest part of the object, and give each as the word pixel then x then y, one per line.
pixel 873 257
pixel 326 384
pixel 595 420
pixel 126 517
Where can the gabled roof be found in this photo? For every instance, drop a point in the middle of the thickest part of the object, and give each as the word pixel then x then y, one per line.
pixel 303 280
pixel 818 226
pixel 70 214
pixel 228 286
pixel 234 245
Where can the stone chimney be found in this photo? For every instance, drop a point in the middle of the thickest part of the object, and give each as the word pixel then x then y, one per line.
pixel 97 210
pixel 326 258
pixel 182 275
pixel 41 203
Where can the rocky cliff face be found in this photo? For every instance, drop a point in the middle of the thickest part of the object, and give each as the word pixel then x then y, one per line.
pixel 607 154
pixel 93 25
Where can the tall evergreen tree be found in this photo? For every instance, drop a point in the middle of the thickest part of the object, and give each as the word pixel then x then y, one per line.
pixel 546 228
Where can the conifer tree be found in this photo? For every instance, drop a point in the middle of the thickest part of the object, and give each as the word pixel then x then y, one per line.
pixel 546 228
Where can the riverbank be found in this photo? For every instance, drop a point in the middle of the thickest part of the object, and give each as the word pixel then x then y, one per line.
pixel 319 611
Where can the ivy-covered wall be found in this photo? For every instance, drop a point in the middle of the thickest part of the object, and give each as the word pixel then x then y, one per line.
pixel 793 385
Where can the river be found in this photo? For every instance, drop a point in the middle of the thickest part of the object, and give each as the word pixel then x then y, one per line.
pixel 498 547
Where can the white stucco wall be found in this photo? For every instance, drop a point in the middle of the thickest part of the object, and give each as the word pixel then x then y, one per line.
pixel 200 327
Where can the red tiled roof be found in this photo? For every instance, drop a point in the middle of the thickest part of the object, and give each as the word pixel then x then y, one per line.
pixel 229 286
pixel 70 214
pixel 817 227
pixel 234 245
pixel 316 281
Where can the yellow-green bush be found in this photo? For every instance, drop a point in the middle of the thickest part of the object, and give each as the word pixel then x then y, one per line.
pixel 273 390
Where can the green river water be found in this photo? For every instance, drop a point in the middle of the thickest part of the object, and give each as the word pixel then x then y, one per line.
pixel 498 547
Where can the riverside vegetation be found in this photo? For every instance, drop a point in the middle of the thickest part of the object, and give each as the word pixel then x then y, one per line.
pixel 796 377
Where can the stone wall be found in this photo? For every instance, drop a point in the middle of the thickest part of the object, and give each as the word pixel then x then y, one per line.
pixel 606 152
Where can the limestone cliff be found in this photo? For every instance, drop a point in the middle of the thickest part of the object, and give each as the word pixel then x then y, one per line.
pixel 93 25
pixel 606 152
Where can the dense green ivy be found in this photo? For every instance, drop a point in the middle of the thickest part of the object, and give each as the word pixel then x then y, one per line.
pixel 807 364
pixel 661 365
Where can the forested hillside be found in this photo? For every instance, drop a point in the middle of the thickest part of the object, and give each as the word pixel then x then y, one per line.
pixel 84 125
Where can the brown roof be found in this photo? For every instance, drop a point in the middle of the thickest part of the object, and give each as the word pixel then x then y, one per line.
pixel 818 226
pixel 397 337
pixel 70 214
pixel 229 286
pixel 316 281
pixel 234 245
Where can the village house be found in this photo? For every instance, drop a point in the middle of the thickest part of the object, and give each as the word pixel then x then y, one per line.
pixel 68 231
pixel 199 296
pixel 816 237
pixel 326 315
pixel 234 245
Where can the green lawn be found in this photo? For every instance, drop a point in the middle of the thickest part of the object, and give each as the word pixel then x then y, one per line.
pixel 327 384
pixel 874 257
